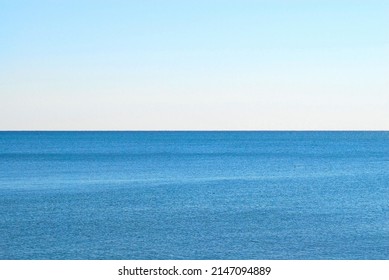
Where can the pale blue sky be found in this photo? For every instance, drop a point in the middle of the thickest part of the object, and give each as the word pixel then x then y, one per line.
pixel 194 65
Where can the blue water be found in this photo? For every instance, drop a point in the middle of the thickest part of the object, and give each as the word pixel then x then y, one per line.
pixel 194 195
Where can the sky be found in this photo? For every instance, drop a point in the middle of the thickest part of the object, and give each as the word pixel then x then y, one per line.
pixel 194 65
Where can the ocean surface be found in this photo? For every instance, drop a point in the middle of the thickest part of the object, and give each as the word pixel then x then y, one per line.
pixel 194 195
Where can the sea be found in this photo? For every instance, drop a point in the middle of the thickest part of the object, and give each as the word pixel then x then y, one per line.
pixel 192 195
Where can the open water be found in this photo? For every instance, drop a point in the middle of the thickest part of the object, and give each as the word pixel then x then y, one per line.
pixel 194 195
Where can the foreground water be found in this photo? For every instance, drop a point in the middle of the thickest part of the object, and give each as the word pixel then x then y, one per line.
pixel 194 195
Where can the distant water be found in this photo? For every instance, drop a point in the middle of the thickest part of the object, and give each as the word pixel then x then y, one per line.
pixel 194 195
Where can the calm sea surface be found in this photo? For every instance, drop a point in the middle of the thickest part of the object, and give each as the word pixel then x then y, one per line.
pixel 194 195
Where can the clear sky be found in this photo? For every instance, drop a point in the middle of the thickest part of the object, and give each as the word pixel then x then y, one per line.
pixel 194 65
